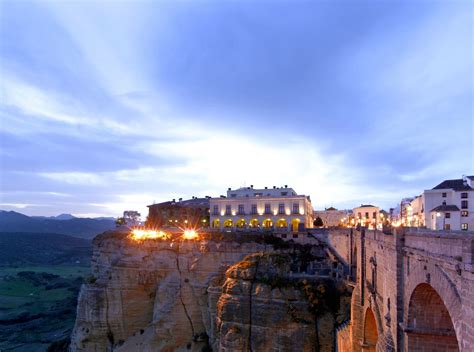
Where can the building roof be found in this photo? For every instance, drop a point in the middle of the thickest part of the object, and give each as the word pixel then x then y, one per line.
pixel 367 206
pixel 194 202
pixel 331 208
pixel 444 208
pixel 457 184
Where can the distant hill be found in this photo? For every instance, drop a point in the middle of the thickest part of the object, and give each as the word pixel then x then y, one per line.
pixel 11 221
pixel 59 217
pixel 23 248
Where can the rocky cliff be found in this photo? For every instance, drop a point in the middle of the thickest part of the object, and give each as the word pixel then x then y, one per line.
pixel 228 294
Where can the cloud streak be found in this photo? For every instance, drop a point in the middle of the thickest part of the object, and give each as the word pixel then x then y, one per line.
pixel 345 103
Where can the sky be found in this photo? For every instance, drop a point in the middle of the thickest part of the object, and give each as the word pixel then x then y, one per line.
pixel 111 106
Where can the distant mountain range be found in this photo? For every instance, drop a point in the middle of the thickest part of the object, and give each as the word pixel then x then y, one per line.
pixel 11 221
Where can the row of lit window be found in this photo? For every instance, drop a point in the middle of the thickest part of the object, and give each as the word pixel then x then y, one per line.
pixel 254 211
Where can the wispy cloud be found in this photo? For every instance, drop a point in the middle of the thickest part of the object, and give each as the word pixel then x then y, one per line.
pixel 160 100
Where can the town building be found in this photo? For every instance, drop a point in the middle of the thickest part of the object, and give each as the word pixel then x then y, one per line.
pixel 330 217
pixel 415 212
pixel 268 208
pixel 369 216
pixel 450 205
pixel 193 213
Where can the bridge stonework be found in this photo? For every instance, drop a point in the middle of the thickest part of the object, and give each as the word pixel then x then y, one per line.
pixel 413 290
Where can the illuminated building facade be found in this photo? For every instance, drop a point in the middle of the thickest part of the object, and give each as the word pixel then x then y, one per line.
pixel 331 217
pixel 450 205
pixel 190 213
pixel 269 208
pixel 414 212
pixel 369 216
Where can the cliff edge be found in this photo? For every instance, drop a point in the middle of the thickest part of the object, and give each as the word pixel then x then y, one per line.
pixel 221 293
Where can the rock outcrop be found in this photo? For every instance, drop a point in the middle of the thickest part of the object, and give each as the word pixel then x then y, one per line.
pixel 231 294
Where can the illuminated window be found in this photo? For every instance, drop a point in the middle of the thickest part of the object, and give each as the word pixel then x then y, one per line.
pixel 464 213
pixel 281 208
pixel 464 227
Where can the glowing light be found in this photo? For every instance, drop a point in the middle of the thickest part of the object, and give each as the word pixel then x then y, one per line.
pixel 233 212
pixel 275 212
pixel 142 234
pixel 203 220
pixel 185 221
pixel 438 214
pixel 288 212
pixel 190 234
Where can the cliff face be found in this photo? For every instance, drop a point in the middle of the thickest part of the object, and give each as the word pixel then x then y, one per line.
pixel 163 295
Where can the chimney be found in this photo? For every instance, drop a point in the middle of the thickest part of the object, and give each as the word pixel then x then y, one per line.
pixel 174 200
pixel 180 199
pixel 274 187
pixel 251 186
pixel 286 186
pixel 229 189
pixel 266 187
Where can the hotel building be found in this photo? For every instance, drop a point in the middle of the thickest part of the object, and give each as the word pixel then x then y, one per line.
pixel 269 208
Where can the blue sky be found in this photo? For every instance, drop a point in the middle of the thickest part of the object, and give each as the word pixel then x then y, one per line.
pixel 112 107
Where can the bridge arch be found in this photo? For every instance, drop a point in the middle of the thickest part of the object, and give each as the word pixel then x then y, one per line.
pixel 439 281
pixel 429 324
pixel 371 334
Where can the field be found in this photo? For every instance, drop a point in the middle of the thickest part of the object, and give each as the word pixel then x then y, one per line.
pixel 40 278
pixel 37 306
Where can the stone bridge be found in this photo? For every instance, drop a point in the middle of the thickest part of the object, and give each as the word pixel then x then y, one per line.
pixel 413 290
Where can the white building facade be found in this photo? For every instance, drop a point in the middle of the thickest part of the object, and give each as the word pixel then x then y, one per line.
pixel 369 216
pixel 269 208
pixel 450 205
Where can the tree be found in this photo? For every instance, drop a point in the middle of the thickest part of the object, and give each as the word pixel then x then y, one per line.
pixel 131 217
pixel 318 222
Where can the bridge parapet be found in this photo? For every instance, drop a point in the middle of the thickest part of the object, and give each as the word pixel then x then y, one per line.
pixel 456 245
